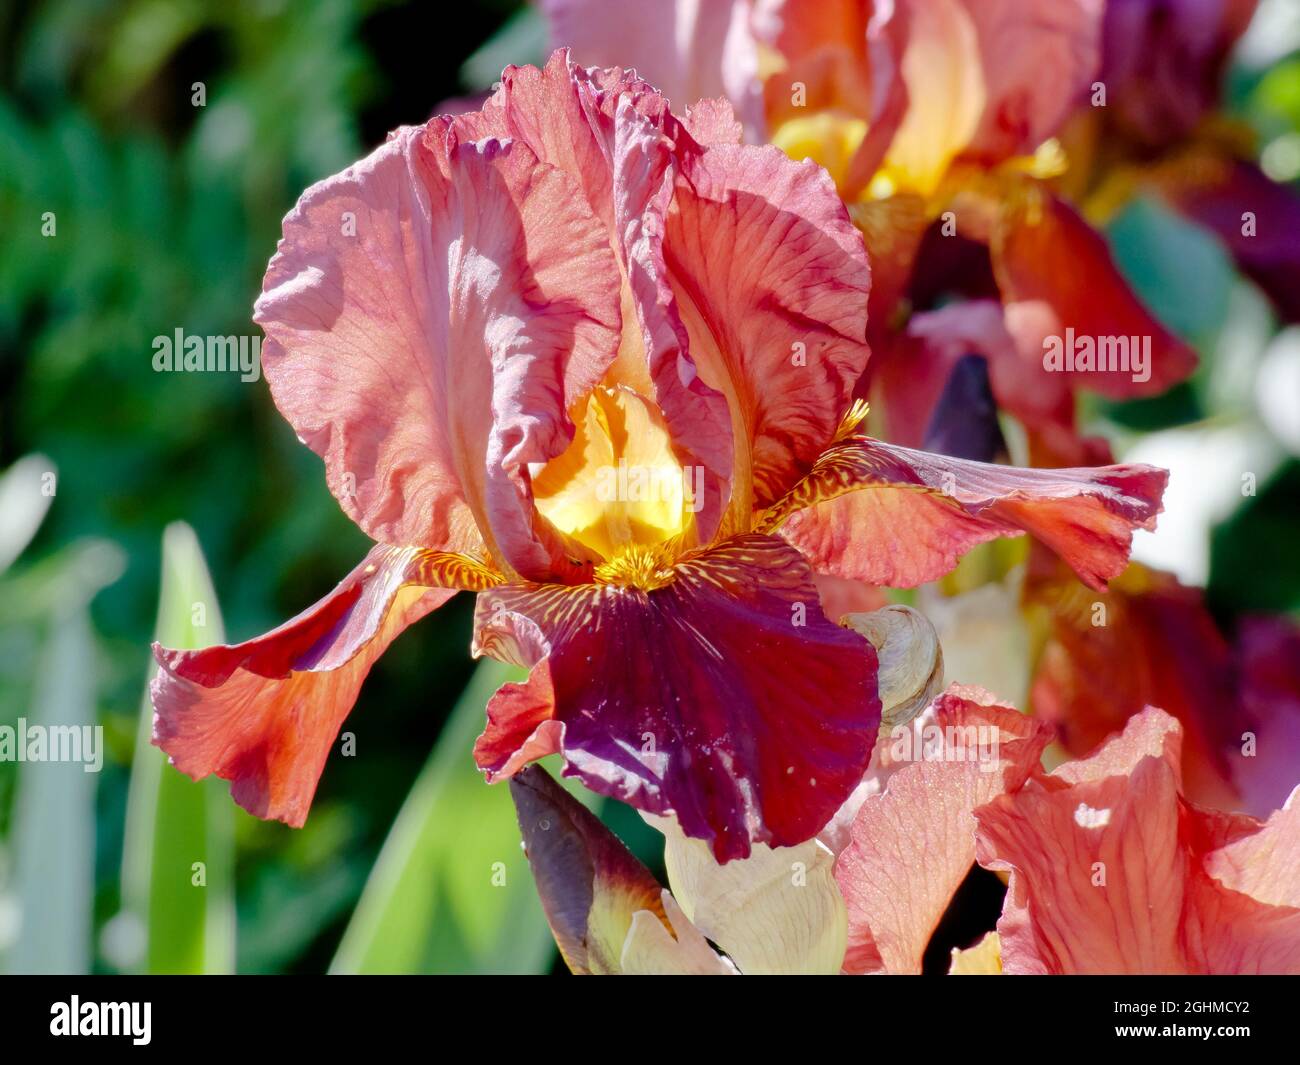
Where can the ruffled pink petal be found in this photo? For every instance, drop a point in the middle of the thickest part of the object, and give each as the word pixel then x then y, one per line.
pixel 614 135
pixel 897 517
pixel 772 281
pixel 759 353
pixel 430 313
pixel 1056 275
pixel 912 845
pixel 1112 872
pixel 1264 864
pixel 1098 878
pixel 521 726
pixel 263 714
pixel 723 696
pixel 1038 60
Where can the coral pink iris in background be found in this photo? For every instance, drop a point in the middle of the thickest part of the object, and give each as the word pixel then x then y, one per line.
pixel 478 322
pixel 937 119
pixel 1113 871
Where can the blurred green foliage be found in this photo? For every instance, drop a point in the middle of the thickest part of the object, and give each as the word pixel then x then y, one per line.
pixel 164 216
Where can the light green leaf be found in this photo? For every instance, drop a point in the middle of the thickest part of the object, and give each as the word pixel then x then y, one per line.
pixel 178 913
pixel 54 818
pixel 26 490
pixel 451 891
pixel 54 813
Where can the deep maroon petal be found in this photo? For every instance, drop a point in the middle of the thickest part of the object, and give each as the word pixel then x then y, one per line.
pixel 723 695
pixel 590 885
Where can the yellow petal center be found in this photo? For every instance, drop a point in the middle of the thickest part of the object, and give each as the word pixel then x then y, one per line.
pixel 618 488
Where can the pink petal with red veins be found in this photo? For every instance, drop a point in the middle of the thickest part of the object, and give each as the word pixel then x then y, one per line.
pixel 263 714
pixel 1111 871
pixel 712 122
pixel 772 281
pixel 897 517
pixel 1056 273
pixel 1231 933
pixel 1265 864
pixel 1247 905
pixel 1039 59
pixel 1098 876
pixel 614 135
pixel 912 845
pixel 755 352
pixel 724 696
pixel 430 313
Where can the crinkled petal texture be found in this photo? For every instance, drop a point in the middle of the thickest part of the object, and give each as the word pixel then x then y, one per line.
pixel 772 283
pixel 1111 871
pixel 437 313
pixel 898 517
pixel 430 314
pixel 615 136
pixel 911 846
pixel 263 714
pixel 752 357
pixel 723 696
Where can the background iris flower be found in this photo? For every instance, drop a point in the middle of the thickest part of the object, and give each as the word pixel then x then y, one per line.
pixel 157 148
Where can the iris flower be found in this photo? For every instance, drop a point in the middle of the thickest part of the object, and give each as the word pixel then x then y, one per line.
pixel 939 121
pixel 595 363
pixel 864 896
